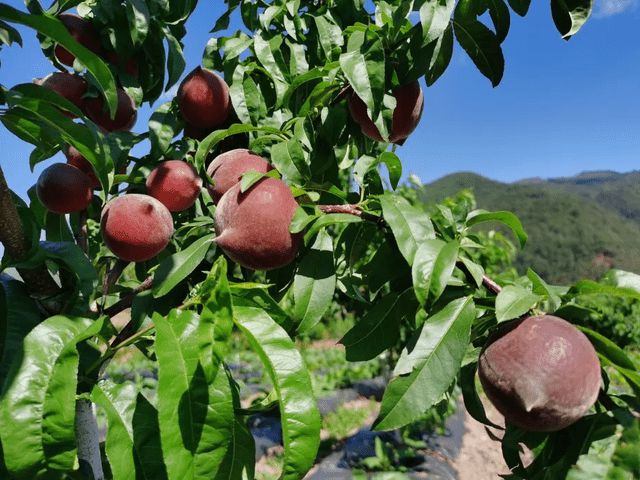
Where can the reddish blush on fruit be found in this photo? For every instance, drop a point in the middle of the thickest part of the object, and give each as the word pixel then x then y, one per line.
pixel 136 227
pixel 95 108
pixel 64 189
pixel 83 32
pixel 227 169
pixel 71 87
pixel 253 227
pixel 541 373
pixel 203 98
pixel 406 116
pixel 75 158
pixel 174 183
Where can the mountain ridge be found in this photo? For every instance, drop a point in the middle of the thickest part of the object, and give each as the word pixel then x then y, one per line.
pixel 578 226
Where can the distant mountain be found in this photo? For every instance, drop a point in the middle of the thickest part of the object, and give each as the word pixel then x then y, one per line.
pixel 578 226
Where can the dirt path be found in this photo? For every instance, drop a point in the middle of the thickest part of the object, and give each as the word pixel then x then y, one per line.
pixel 480 457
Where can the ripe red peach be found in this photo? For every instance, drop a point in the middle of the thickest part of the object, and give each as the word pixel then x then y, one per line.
pixel 541 373
pixel 83 32
pixel 409 106
pixel 203 98
pixel 253 227
pixel 71 87
pixel 95 108
pixel 136 227
pixel 175 183
pixel 75 158
pixel 227 169
pixel 64 189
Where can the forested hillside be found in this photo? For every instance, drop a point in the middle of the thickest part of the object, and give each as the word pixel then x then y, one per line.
pixel 578 226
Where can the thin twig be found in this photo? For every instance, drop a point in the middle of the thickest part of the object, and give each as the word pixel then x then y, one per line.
pixel 112 276
pixel 127 301
pixel 352 210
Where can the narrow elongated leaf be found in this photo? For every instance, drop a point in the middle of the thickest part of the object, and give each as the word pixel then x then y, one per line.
pixel 217 307
pixel 133 437
pixel 514 301
pixel 314 283
pixel 410 225
pixel 570 15
pixel 289 158
pixel 18 316
pixel 435 17
pixel 472 401
pixel 433 362
pixel 482 46
pixel 441 58
pixel 73 258
pixel 500 17
pixel 364 66
pixel 506 218
pixel 329 34
pixel 195 408
pixel 138 17
pixel 521 7
pixel 175 59
pixel 330 219
pixel 38 404
pixel 540 287
pixel 55 29
pixel 174 269
pixel 432 268
pixel 290 378
pixel 267 53
pixel 379 329
pixel 163 127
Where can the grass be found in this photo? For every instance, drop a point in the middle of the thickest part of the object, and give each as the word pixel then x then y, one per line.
pixel 347 418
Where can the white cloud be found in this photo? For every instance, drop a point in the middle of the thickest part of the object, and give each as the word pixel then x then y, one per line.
pixel 609 8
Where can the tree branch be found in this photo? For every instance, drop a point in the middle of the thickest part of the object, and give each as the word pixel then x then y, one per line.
pixel 82 236
pixel 38 280
pixel 88 440
pixel 353 210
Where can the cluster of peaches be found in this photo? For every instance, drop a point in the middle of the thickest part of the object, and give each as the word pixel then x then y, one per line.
pixel 540 372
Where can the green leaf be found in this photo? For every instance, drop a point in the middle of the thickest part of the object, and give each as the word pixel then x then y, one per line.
pixel 379 329
pixel 211 140
pixel 18 315
pixel 267 52
pixel 476 271
pixel 38 404
pixel 441 58
pixel 482 46
pixel 364 66
pixel 290 159
pixel 472 402
pixel 435 17
pixel 329 34
pixel 70 256
pixel 570 15
pixel 195 407
pixel 506 218
pixel 57 229
pixel 608 349
pixel 410 225
pixel 9 35
pixel 55 29
pixel 330 219
pixel 290 378
pixel 589 287
pixel 138 16
pixel 174 269
pixel 432 268
pixel 314 283
pixel 217 312
pixel 175 59
pixel 433 362
pixel 521 7
pixel 500 17
pixel 513 301
pixel 133 437
pixel 164 125
pixel 540 287
pixel 250 178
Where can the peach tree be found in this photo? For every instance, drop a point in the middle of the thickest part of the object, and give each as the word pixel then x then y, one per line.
pixel 260 202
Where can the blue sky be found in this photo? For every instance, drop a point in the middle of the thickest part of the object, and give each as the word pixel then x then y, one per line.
pixel 562 107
